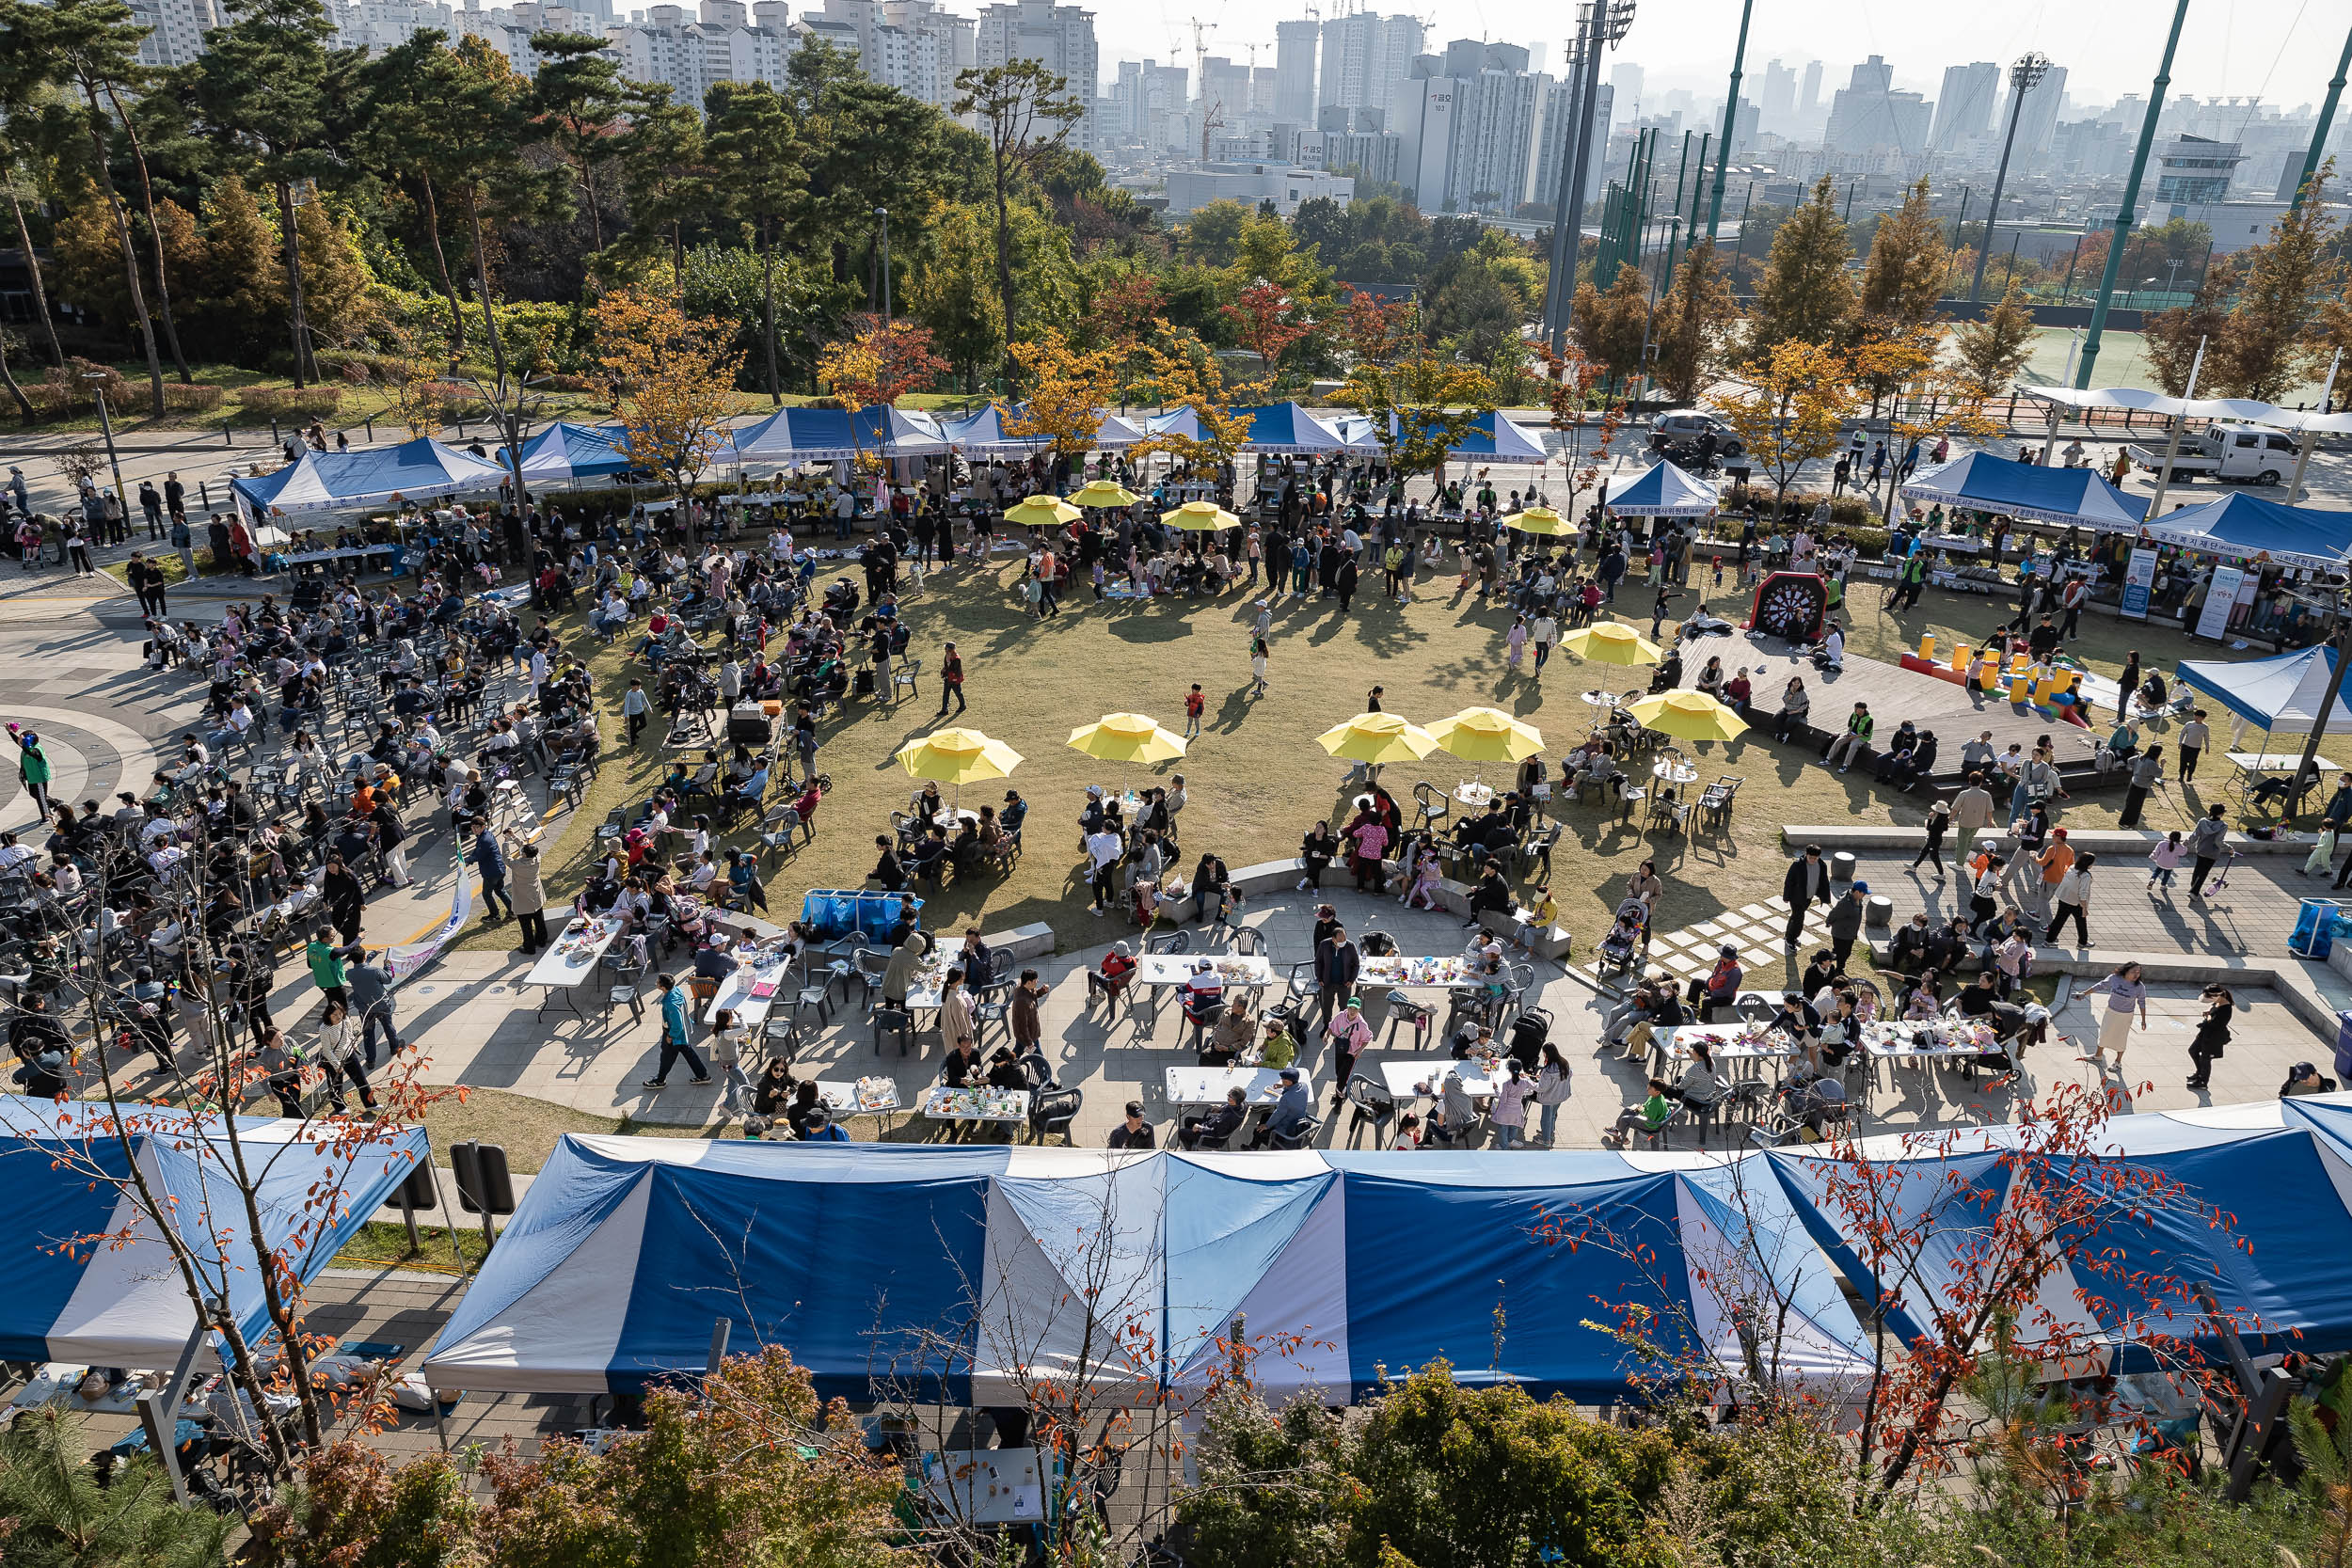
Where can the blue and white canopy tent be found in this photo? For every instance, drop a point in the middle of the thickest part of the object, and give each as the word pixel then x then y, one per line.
pixel 2279 694
pixel 418 470
pixel 2240 527
pixel 1285 429
pixel 1183 424
pixel 791 436
pixel 1981 481
pixel 76 1297
pixel 1665 491
pixel 982 433
pixel 1493 438
pixel 961 1273
pixel 567 453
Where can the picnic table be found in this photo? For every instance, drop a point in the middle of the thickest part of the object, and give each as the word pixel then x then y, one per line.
pixel 864 1097
pixel 1193 1087
pixel 570 959
pixel 752 989
pixel 1424 1077
pixel 1450 971
pixel 1936 1043
pixel 1002 1108
pixel 1749 1045
pixel 1252 971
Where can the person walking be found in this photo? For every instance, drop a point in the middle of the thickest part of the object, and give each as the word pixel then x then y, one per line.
pixel 1258 652
pixel 2147 774
pixel 2205 848
pixel 950 681
pixel 370 989
pixel 1845 923
pixel 336 1049
pixel 2212 1033
pixel 77 547
pixel 1806 882
pixel 674 1042
pixel 1939 820
pixel 2127 999
pixel 1195 705
pixel 1551 1091
pixel 2195 735
pixel 634 710
pixel 489 861
pixel 1337 964
pixel 2073 902
pixel 32 766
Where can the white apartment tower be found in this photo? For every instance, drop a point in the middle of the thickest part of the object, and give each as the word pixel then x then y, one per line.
pixel 1365 57
pixel 1060 38
pixel 1965 108
pixel 177 29
pixel 1295 71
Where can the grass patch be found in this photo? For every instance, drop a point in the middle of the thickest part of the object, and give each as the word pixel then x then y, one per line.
pixel 384 1243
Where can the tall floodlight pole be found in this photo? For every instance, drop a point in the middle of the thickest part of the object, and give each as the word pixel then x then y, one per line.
pixel 1612 19
pixel 1567 213
pixel 2023 78
pixel 2326 117
pixel 1731 109
pixel 2127 214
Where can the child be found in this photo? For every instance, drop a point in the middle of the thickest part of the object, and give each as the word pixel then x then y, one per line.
pixel 1623 941
pixel 1258 652
pixel 2166 858
pixel 726 1052
pixel 1538 917
pixel 1195 705
pixel 2322 859
pixel 2013 961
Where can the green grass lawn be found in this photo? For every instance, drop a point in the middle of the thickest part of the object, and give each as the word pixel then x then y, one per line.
pixel 1256 777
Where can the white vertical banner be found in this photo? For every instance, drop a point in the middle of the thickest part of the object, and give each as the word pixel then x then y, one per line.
pixel 2220 599
pixel 2140 581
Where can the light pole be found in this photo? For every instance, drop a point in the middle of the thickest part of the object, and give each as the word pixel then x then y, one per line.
pixel 1601 24
pixel 883 214
pixel 106 428
pixel 2024 77
pixel 1731 110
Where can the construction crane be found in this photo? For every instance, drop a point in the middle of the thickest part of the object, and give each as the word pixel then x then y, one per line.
pixel 1212 116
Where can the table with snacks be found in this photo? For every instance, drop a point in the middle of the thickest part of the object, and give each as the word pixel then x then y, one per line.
pixel 864 1097
pixel 1449 972
pixel 998 1107
pixel 1408 1078
pixel 760 975
pixel 1962 1043
pixel 571 960
pixel 1670 1049
pixel 1191 1088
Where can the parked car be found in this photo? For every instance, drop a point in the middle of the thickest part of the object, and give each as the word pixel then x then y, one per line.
pixel 1689 427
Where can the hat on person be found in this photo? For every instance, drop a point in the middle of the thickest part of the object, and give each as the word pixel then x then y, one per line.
pixel 1119 948
pixel 1134 1107
pixel 2058 832
pixel 1094 789
pixel 1730 950
pixel 1355 1003
pixel 1289 1075
pixel 1862 887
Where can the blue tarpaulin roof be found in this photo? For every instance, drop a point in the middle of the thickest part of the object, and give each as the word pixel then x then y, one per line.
pixel 820 434
pixel 566 452
pixel 2280 694
pixel 962 1272
pixel 1665 491
pixel 1285 428
pixel 421 469
pixel 983 431
pixel 75 1296
pixel 1981 481
pixel 2241 527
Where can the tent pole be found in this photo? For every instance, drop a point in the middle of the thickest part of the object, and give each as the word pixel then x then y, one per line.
pixel 2172 445
pixel 2338 645
pixel 2303 451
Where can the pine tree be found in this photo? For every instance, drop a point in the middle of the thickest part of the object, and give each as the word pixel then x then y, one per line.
pixel 2264 347
pixel 1695 320
pixel 756 172
pixel 1611 327
pixel 578 94
pixel 335 279
pixel 1904 279
pixel 1993 351
pixel 239 293
pixel 1805 296
pixel 662 172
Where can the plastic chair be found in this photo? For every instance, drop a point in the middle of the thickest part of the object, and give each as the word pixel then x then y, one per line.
pixel 992 1004
pixel 895 1020
pixel 1421 1015
pixel 1052 1114
pixel 1431 806
pixel 1175 942
pixel 1374 1108
pixel 1302 1138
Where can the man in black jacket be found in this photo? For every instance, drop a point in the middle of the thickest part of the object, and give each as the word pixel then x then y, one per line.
pixel 1337 964
pixel 1218 1127
pixel 1807 883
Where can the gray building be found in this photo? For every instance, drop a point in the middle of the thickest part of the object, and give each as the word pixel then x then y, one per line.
pixel 1295 71
pixel 1965 108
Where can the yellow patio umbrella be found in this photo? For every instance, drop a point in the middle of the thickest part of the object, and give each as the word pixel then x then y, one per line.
pixel 1127 737
pixel 1042 512
pixel 1611 643
pixel 1540 519
pixel 1377 738
pixel 1687 716
pixel 957 757
pixel 1487 735
pixel 1199 517
pixel 1102 492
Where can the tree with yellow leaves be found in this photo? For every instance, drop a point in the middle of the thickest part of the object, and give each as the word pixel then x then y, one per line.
pixel 1188 375
pixel 1791 409
pixel 672 377
pixel 1068 390
pixel 1926 399
pixel 1421 407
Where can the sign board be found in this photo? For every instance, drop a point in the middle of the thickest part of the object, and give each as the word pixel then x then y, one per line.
pixel 2140 579
pixel 2219 601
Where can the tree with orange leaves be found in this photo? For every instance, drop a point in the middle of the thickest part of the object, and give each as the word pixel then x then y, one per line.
pixel 1067 391
pixel 877 365
pixel 1371 328
pixel 672 379
pixel 1269 322
pixel 1189 376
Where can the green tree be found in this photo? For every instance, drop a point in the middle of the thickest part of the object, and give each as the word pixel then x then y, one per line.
pixel 1609 328
pixel 90 44
pixel 1805 296
pixel 578 95
pixel 239 291
pixel 23 86
pixel 1904 279
pixel 55 1515
pixel 1477 313
pixel 405 88
pixel 664 172
pixel 2264 351
pixel 955 292
pixel 1693 325
pixel 1212 236
pixel 266 80
pixel 2173 339
pixel 755 169
pixel 1024 109
pixel 1991 351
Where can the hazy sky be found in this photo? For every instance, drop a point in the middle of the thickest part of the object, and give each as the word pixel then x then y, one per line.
pixel 2283 50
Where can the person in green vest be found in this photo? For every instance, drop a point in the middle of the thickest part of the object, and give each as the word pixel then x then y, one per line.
pixel 1913 579
pixel 326 967
pixel 32 766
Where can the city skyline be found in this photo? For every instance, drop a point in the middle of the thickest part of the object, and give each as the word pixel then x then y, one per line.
pixel 2110 49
